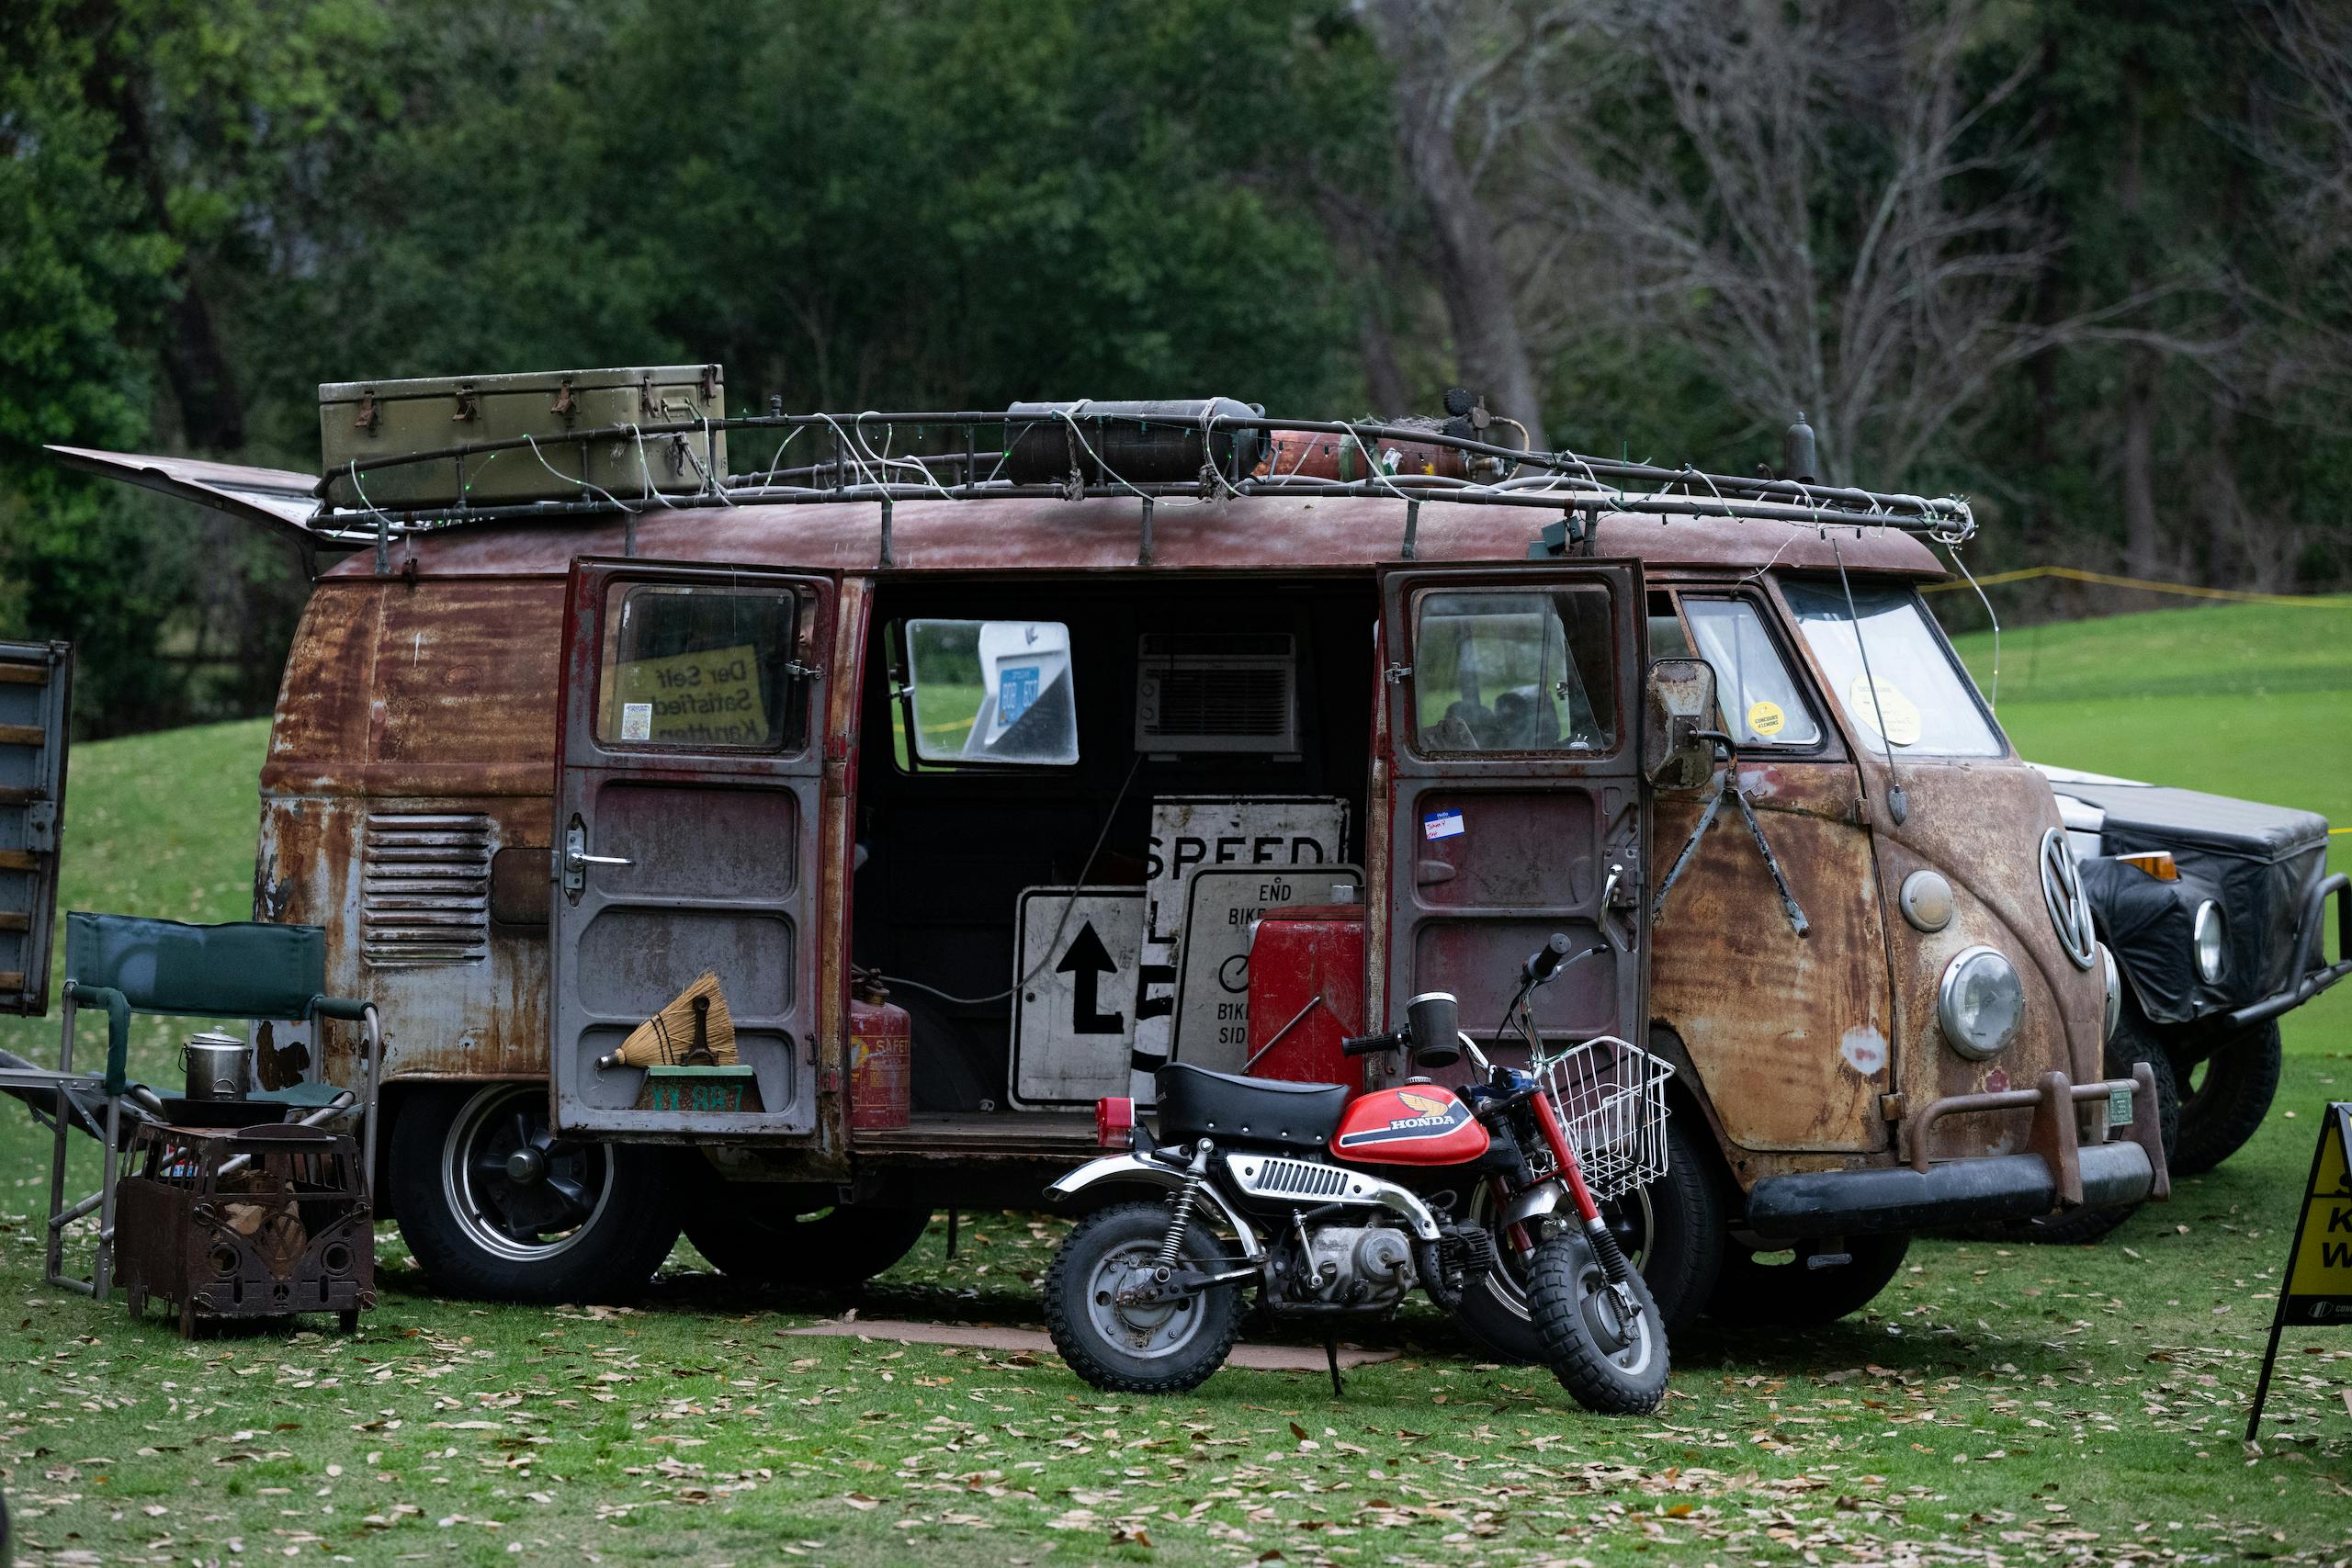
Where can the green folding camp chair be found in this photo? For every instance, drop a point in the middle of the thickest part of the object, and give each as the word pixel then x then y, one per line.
pixel 248 970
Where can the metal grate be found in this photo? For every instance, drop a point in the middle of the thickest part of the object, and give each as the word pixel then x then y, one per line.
pixel 1298 1179
pixel 1216 692
pixel 425 889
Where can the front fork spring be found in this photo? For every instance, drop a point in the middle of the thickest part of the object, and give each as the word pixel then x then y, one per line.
pixel 1605 1248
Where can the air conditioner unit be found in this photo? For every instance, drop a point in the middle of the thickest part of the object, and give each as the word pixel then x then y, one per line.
pixel 1228 691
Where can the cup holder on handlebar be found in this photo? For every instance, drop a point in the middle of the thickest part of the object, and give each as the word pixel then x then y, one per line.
pixel 1434 1024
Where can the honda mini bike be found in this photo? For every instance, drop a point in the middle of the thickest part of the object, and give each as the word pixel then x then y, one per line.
pixel 1332 1205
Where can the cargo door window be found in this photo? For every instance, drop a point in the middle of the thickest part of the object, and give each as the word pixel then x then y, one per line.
pixel 988 692
pixel 1759 697
pixel 1513 669
pixel 699 666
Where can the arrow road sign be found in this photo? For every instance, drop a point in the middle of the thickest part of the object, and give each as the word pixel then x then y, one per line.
pixel 1088 961
pixel 1075 969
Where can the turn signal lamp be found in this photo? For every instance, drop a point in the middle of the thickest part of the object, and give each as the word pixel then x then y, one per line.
pixel 2155 862
pixel 1115 1122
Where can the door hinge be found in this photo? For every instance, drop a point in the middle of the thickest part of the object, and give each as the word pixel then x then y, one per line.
pixel 800 671
pixel 41 825
pixel 828 1078
pixel 1397 674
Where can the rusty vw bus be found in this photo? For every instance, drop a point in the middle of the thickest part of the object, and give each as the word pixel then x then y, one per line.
pixel 1098 735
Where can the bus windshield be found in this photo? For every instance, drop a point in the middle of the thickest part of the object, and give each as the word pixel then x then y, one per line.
pixel 1924 704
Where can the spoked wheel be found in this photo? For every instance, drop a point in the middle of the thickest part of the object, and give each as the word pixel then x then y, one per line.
pixel 494 1204
pixel 1671 1231
pixel 1123 1345
pixel 1606 1344
pixel 519 1189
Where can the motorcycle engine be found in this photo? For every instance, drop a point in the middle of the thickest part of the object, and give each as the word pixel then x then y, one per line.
pixel 1366 1267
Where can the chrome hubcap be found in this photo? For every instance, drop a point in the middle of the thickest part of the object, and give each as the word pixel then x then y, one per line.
pixel 1150 1329
pixel 519 1191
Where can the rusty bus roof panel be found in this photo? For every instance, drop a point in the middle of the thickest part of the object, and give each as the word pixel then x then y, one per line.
pixel 1026 535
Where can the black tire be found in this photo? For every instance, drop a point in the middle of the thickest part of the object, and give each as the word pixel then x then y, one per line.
pixel 2130 1044
pixel 757 1237
pixel 1787 1292
pixel 2225 1098
pixel 1076 1306
pixel 592 1223
pixel 1610 1363
pixel 1673 1231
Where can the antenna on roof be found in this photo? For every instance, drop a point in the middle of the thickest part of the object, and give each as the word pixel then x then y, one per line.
pixel 1799 459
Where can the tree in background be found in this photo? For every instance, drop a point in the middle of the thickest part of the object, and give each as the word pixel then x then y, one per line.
pixel 2086 262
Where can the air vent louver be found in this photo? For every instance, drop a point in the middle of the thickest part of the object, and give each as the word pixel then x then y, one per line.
pixel 1216 692
pixel 425 889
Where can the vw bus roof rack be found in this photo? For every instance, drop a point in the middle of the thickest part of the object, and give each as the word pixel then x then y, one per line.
pixel 1203 450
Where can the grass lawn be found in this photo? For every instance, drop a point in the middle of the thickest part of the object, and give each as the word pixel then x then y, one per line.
pixel 1998 1406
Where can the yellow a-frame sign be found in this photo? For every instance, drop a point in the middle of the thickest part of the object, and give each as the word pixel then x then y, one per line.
pixel 2317 1289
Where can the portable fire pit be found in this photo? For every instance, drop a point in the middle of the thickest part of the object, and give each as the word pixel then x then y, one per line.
pixel 249 1222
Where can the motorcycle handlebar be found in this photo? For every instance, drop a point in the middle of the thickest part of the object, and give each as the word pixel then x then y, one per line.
pixel 1370 1044
pixel 1544 961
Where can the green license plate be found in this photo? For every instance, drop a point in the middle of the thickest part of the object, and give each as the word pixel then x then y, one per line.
pixel 2119 1106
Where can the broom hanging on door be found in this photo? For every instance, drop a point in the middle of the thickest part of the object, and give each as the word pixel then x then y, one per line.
pixel 694 1030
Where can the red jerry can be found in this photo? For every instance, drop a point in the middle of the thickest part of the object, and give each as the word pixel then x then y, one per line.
pixel 881 1050
pixel 1306 993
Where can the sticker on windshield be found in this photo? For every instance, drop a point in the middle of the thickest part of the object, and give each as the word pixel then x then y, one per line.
pixel 1901 715
pixel 1441 825
pixel 636 721
pixel 1766 719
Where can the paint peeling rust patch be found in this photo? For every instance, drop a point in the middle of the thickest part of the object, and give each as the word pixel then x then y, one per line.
pixel 1864 1049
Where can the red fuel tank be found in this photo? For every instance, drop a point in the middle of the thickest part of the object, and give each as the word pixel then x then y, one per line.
pixel 1421 1123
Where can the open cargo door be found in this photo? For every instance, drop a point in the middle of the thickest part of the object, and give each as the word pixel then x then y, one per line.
pixel 686 831
pixel 36 700
pixel 1516 796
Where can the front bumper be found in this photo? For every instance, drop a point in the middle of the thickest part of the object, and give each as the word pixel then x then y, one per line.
pixel 2059 1170
pixel 2309 975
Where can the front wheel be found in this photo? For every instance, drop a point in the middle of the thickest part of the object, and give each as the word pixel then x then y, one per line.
pixel 2225 1096
pixel 1605 1343
pixel 1166 1346
pixel 1672 1231
pixel 495 1205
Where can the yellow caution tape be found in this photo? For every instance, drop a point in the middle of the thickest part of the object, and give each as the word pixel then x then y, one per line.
pixel 2110 580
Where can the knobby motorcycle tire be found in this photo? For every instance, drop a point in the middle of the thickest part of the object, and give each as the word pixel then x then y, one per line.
pixel 1564 1270
pixel 1684 1250
pixel 1074 1336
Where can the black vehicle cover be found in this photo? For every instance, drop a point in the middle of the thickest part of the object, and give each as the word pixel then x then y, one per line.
pixel 2254 861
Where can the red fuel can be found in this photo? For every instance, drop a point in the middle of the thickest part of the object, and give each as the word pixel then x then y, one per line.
pixel 1306 993
pixel 881 1051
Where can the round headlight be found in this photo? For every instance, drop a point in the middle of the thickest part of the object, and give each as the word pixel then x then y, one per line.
pixel 2212 931
pixel 1979 1003
pixel 1926 900
pixel 2114 991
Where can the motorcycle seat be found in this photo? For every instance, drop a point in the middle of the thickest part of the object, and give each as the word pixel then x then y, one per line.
pixel 1195 1102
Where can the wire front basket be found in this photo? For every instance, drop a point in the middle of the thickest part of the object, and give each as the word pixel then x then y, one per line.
pixel 1610 1097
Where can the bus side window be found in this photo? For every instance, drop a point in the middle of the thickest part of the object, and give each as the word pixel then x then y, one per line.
pixel 1758 698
